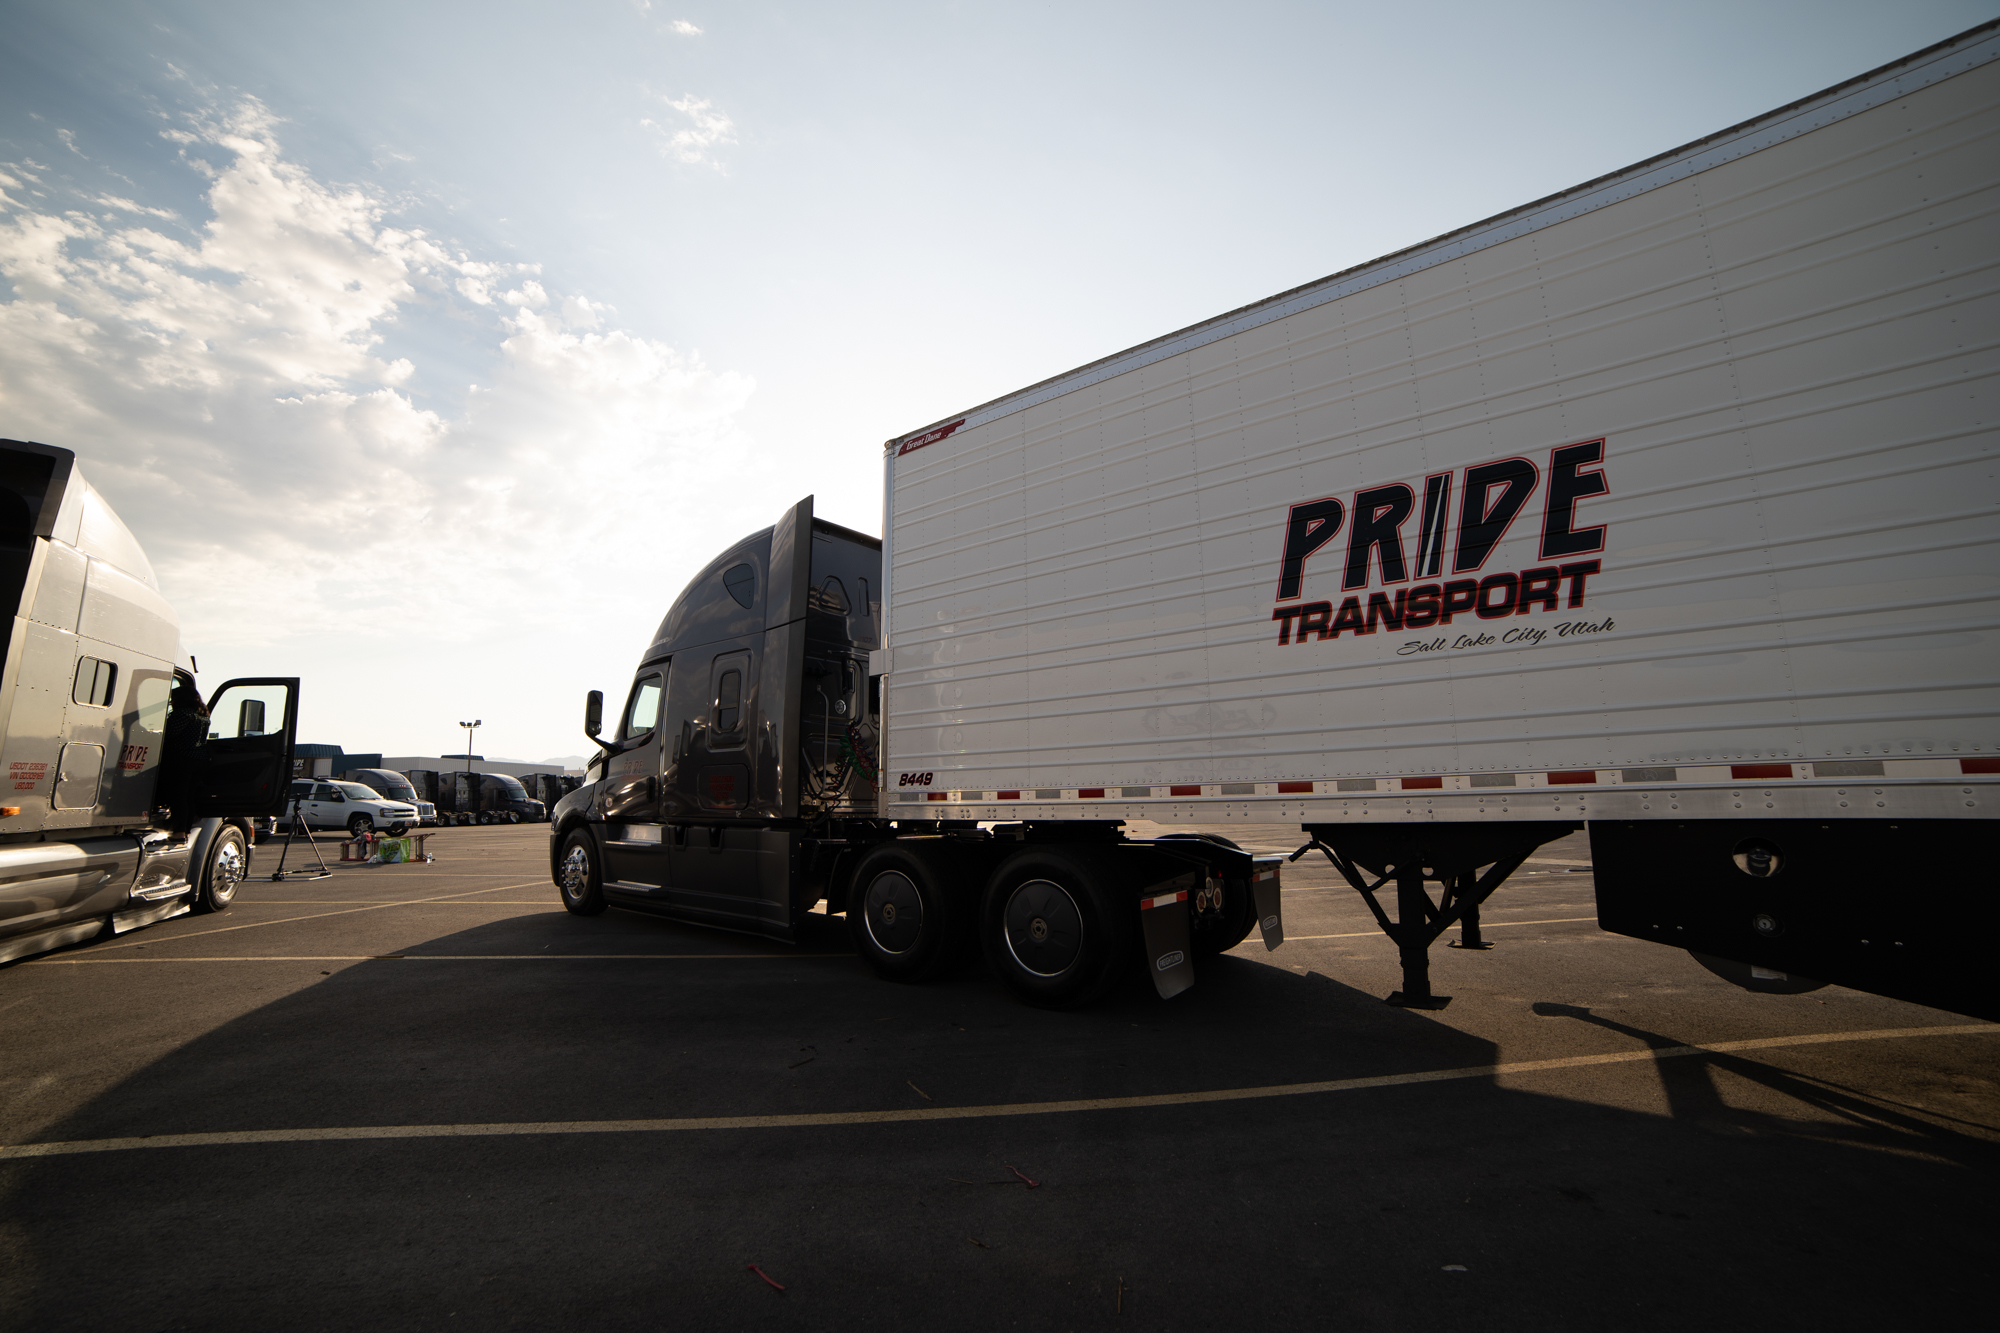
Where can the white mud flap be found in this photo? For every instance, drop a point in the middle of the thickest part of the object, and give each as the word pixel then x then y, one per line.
pixel 1264 892
pixel 1169 946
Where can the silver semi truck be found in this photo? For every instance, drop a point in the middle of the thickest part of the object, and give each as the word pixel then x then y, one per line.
pixel 1664 507
pixel 128 798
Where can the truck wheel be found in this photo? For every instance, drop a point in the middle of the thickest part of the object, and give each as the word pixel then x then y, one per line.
pixel 513 818
pixel 577 876
pixel 361 826
pixel 1054 930
pixel 228 862
pixel 908 918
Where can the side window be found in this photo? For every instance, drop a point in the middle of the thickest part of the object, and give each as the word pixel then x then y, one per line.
pixel 322 791
pixel 95 682
pixel 741 581
pixel 152 696
pixel 643 713
pixel 728 715
pixel 729 701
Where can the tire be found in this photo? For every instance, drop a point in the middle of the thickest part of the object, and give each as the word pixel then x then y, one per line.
pixel 578 876
pixel 223 871
pixel 910 911
pixel 1055 929
pixel 398 830
pixel 513 818
pixel 361 825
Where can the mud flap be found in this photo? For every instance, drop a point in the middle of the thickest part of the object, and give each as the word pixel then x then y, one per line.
pixel 1264 892
pixel 1169 946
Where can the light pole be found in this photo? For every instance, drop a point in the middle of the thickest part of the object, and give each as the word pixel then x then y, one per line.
pixel 469 726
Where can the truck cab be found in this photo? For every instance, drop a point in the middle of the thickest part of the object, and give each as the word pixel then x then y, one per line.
pixel 128 797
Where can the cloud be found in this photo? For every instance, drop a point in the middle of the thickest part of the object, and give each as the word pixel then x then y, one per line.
pixel 702 129
pixel 226 382
pixel 683 28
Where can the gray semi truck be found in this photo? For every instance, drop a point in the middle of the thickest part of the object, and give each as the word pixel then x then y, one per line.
pixel 738 787
pixel 128 798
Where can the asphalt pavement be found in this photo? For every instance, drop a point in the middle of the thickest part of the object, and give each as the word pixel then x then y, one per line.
pixel 424 1096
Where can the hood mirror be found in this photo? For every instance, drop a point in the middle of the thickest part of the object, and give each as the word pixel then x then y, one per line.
pixel 593 713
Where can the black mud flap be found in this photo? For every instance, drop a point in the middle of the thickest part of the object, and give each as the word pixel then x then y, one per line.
pixel 1264 892
pixel 1163 910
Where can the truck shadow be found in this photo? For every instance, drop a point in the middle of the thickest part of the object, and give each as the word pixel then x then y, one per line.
pixel 1309 1207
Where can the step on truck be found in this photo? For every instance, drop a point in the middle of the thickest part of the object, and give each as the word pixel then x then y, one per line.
pixel 128 798
pixel 1662 508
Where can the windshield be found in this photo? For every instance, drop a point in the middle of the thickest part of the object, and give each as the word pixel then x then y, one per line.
pixel 512 785
pixel 354 791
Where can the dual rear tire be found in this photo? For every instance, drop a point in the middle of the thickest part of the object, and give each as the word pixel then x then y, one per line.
pixel 1049 923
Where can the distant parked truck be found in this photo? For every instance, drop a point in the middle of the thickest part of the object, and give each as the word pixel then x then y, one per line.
pixel 493 798
pixel 128 800
pixel 386 782
pixel 1663 507
pixel 425 783
pixel 545 787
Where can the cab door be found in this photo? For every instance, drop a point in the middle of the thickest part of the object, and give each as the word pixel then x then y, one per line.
pixel 244 767
pixel 633 850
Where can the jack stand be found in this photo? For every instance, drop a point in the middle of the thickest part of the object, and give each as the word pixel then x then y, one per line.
pixel 297 822
pixel 1468 931
pixel 1413 910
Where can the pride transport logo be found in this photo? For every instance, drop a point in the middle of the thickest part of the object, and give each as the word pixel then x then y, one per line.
pixel 1491 496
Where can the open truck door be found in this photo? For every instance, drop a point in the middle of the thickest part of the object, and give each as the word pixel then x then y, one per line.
pixel 244 768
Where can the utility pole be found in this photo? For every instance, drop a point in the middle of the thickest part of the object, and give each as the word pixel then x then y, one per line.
pixel 469 728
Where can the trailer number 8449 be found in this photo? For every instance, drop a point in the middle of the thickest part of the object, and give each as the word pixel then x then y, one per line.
pixel 913 779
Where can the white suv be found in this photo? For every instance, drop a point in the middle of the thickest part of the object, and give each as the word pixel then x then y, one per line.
pixel 348 805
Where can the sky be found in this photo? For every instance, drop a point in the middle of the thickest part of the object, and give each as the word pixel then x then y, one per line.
pixel 429 349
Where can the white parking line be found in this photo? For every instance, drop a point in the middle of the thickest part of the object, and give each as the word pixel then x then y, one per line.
pixel 1483 925
pixel 312 916
pixel 418 958
pixel 341 1133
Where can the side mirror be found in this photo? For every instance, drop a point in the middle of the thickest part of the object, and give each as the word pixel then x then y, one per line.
pixel 250 718
pixel 593 713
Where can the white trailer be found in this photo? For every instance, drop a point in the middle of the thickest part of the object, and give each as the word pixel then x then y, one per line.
pixel 1664 506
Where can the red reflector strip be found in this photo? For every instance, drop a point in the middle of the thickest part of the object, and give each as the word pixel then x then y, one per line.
pixel 1007 795
pixel 1271 873
pixel 1294 786
pixel 1979 765
pixel 1752 772
pixel 1185 791
pixel 1164 900
pixel 1574 777
pixel 1084 793
pixel 1422 784
pixel 936 795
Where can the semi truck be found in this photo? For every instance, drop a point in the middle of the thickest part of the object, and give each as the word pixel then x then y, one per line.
pixel 129 798
pixel 1663 508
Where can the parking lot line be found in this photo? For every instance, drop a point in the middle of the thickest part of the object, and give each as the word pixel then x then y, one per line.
pixel 311 916
pixel 419 958
pixel 228 1138
pixel 1484 924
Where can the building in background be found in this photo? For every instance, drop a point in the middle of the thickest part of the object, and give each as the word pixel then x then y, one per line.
pixel 330 761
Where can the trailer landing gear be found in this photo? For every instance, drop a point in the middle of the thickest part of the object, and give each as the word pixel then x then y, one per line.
pixel 1453 856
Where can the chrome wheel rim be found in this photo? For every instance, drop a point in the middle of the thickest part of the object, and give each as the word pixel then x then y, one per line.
pixel 893 912
pixel 1044 928
pixel 576 873
pixel 228 871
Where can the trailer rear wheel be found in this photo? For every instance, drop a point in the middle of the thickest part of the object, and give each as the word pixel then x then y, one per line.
pixel 1054 929
pixel 908 919
pixel 577 875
